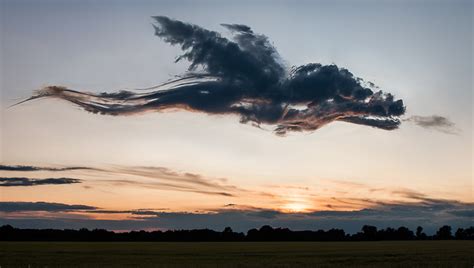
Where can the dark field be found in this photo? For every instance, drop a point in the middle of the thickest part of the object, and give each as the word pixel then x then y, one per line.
pixel 238 254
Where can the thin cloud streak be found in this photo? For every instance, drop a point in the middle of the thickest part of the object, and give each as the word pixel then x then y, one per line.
pixel 167 186
pixel 21 181
pixel 34 168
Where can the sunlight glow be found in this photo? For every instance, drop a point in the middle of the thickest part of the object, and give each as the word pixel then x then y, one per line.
pixel 295 207
pixel 296 203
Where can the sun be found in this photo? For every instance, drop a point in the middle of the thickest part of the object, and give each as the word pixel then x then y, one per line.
pixel 295 207
pixel 295 202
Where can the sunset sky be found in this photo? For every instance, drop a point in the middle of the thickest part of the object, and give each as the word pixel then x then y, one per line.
pixel 182 168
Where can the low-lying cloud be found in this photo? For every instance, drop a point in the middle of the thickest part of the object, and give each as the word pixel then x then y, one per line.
pixel 40 206
pixel 21 181
pixel 246 77
pixel 430 215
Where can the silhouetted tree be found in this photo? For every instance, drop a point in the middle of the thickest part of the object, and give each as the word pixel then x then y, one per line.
pixel 419 233
pixel 403 233
pixel 369 232
pixel 444 233
pixel 464 234
pixel 335 235
pixel 229 235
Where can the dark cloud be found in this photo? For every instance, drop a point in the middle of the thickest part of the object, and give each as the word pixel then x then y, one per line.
pixel 246 77
pixel 19 181
pixel 430 215
pixel 351 221
pixel 435 122
pixel 140 212
pixel 463 213
pixel 34 168
pixel 40 206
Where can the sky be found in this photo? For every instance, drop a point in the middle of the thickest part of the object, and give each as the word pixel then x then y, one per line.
pixel 157 165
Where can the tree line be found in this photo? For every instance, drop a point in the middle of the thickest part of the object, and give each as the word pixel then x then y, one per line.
pixel 265 233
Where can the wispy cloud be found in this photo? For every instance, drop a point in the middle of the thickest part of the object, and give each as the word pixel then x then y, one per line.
pixel 21 181
pixel 183 180
pixel 435 122
pixel 245 76
pixel 155 178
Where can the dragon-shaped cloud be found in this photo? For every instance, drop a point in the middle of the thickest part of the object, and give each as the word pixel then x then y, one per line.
pixel 246 77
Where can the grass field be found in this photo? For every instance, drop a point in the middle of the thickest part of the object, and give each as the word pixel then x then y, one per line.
pixel 244 254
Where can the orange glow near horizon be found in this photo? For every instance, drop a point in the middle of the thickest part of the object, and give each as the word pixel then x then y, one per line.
pixel 295 207
pixel 296 202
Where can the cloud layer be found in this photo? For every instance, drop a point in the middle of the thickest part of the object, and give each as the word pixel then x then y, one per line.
pixel 246 77
pixel 427 212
